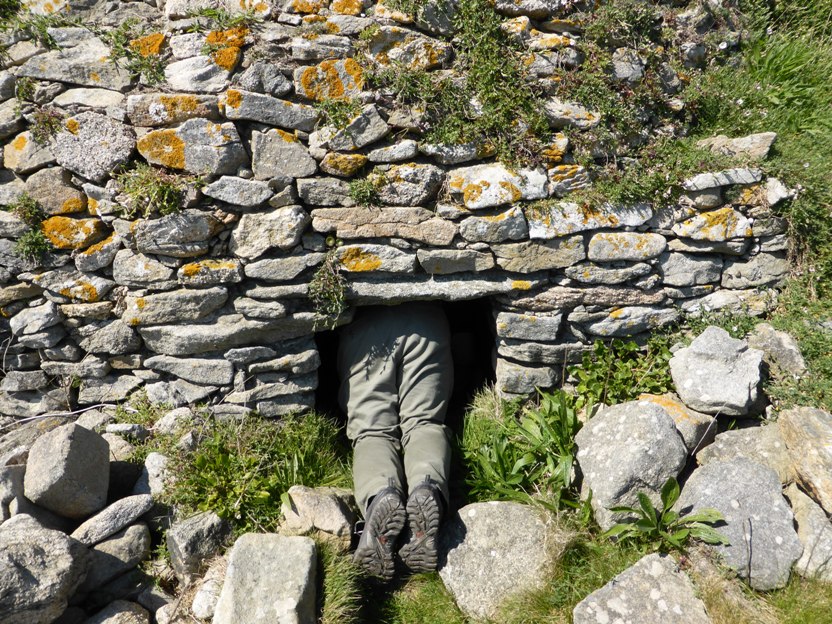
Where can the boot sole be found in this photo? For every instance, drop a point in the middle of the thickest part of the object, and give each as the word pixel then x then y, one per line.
pixel 424 516
pixel 374 553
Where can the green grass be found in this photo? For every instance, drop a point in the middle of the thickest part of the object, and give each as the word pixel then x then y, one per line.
pixel 340 600
pixel 422 599
pixel 151 190
pixel 803 601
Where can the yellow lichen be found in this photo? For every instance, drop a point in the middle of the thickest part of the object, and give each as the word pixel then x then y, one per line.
pixel 234 37
pixel 343 164
pixel 92 206
pixel 617 313
pixel 72 125
pixel 324 82
pixel 233 98
pixel 194 268
pixel 98 246
pixel 308 6
pixel 75 204
pixel 95 77
pixel 358 260
pixel 289 137
pixel 149 45
pixel 347 7
pixel 180 106
pixel 81 291
pixel 521 284
pixel 513 191
pixel 68 233
pixel 473 191
pixel 140 303
pixel 227 57
pixel 20 142
pixel 163 147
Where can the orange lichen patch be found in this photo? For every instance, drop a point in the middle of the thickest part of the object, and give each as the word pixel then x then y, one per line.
pixel 521 285
pixel 234 37
pixel 95 77
pixel 289 137
pixel 723 222
pixel 195 268
pixel 384 12
pixel 552 154
pixel 472 192
pixel 178 106
pixel 98 246
pixel 233 98
pixel 72 125
pixel 498 217
pixel 149 45
pixel 81 291
pixel 617 313
pixel 549 41
pixel 564 172
pixel 20 142
pixel 163 147
pixel 675 409
pixel 513 191
pixel 92 206
pixel 227 57
pixel 140 303
pixel 347 7
pixel 343 164
pixel 456 183
pixel 358 260
pixel 67 233
pixel 74 204
pixel 308 6
pixel 332 79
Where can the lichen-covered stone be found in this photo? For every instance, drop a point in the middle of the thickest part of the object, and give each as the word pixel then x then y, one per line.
pixel 562 115
pixel 410 184
pixel 91 145
pixel 23 154
pixel 279 153
pixel 238 104
pixel 163 109
pixel 616 273
pixel 445 261
pixel 87 64
pixel 52 188
pixel 727 177
pixel 407 48
pixel 412 223
pixel 344 165
pixel 553 219
pixel 807 433
pixel 503 226
pixel 197 74
pixel 237 191
pixel 624 321
pixel 197 146
pixel 329 80
pixel 282 269
pixel 210 272
pixel 487 186
pixel 368 257
pixel 74 284
pixel 170 307
pixel 717 225
pixel 136 269
pixel 324 192
pixel 258 232
pixel 403 150
pixel 759 270
pixel 365 128
pixel 531 256
pixel 618 246
pixel 70 233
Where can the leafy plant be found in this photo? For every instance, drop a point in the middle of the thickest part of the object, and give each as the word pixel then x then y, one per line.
pixel 533 454
pixel 27 209
pixel 620 371
pixel 241 469
pixel 46 123
pixel 32 245
pixel 327 290
pixel 150 190
pixel 8 9
pixel 664 529
pixel 221 19
pixel 131 48
pixel 338 112
pixel 364 191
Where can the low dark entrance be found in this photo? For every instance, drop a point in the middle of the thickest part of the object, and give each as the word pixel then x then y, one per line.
pixel 472 343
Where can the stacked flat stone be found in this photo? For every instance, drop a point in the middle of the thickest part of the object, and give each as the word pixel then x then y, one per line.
pixel 211 303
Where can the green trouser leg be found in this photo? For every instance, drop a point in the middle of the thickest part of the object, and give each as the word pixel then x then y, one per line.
pixel 397 375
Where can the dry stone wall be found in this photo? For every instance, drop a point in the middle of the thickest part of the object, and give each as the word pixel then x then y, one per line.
pixel 211 303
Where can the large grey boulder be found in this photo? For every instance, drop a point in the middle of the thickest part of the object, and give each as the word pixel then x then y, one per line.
pixel 759 525
pixel 69 471
pixel 653 591
pixel 192 542
pixel 325 509
pixel 814 529
pixel 808 436
pixel 718 374
pixel 490 552
pixel 113 519
pixel 270 578
pixel 39 570
pixel 763 444
pixel 91 145
pixel 627 449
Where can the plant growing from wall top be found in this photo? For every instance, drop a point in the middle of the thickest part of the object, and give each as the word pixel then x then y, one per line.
pixel 150 190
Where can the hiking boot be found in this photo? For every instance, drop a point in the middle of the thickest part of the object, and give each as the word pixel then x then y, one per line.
pixel 384 521
pixel 424 515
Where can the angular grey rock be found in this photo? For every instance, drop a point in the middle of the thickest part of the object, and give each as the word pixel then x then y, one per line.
pixel 324 192
pixel 618 246
pixel 562 114
pixel 154 474
pixel 91 145
pixel 717 374
pixel 736 247
pixel 182 235
pixel 24 155
pixel 759 270
pixel 758 522
pixel 208 592
pixel 124 550
pixel 270 578
pixel 367 257
pixel 283 269
pixel 531 256
pixel 553 219
pixel 197 74
pixel 807 432
pixel 277 153
pixel 454 287
pixel 412 223
pixel 716 225
pixel 614 273
pixel 35 319
pixel 107 389
pixel 210 272
pixel 320 48
pixel 206 371
pixel 697 430
pixel 627 449
pixel 252 308
pixel 109 337
pixel 408 49
pixel 136 269
pixel 722 178
pixel 653 591
pixel 68 471
pixel 175 306
pixel 762 444
pixel 21 381
pixel 98 256
pixel 270 386
pixel 627 66
pixel 193 542
pixel 364 129
pixel 90 98
pixel 448 154
pixel 322 509
pixel 40 569
pixel 679 269
pixel 410 184
pixel 265 109
pixel 264 77
pixel 518 379
pixel 624 321
pixel 528 326
pixel 237 191
pixel 446 261
pixel 403 150
pixel 112 519
pixel 11 226
pixel 163 109
pixel 753 146
pixel 121 612
pixel 504 226
pixel 815 533
pixel 491 185
pixel 91 366
pixel 11 121
pixel 197 146
pixel 750 302
pixel 780 351
pixel 256 233
pixel 483 565
pixel 87 63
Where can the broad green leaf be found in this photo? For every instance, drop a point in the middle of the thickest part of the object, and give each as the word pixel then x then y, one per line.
pixel 670 493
